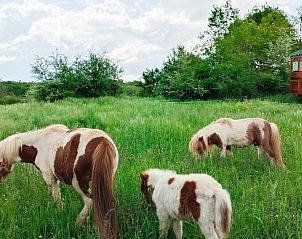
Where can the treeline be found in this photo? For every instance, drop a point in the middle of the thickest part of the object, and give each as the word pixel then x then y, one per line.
pixel 13 92
pixel 237 58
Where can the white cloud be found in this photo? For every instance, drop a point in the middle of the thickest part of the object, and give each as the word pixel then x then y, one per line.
pixel 7 58
pixel 138 35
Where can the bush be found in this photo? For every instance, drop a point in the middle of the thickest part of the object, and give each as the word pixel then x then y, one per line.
pixel 93 76
pixel 9 99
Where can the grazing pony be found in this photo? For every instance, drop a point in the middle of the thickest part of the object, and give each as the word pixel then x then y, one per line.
pixel 72 156
pixel 194 196
pixel 226 132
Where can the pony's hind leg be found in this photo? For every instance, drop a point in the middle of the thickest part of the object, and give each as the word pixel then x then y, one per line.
pixel 268 150
pixel 83 215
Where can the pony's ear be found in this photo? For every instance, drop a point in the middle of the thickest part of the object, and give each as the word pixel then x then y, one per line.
pixel 200 138
pixel 144 176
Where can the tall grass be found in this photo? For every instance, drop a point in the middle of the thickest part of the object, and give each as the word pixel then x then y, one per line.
pixel 267 202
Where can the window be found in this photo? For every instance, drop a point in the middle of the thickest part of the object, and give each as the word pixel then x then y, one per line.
pixel 295 66
pixel 300 66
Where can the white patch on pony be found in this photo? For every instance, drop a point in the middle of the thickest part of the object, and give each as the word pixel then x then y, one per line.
pixel 241 133
pixel 209 195
pixel 47 141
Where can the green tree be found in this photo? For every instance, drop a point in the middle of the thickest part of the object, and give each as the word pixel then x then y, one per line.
pixel 92 76
pixel 180 78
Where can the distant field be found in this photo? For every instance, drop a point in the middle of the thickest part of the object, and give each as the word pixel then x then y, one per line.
pixel 267 202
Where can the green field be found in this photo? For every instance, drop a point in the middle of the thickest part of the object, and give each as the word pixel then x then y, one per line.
pixel 267 203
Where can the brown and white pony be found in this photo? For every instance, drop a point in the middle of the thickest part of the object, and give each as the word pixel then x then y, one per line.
pixel 194 196
pixel 226 132
pixel 72 156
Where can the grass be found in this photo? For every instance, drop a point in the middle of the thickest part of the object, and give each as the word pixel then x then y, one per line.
pixel 267 202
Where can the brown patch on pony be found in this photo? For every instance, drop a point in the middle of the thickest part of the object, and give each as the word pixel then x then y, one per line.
pixel 171 180
pixel 4 169
pixel 64 159
pixel 224 212
pixel 188 206
pixel 28 154
pixel 83 166
pixel 145 189
pixel 254 134
pixel 144 182
pixel 225 121
pixel 215 139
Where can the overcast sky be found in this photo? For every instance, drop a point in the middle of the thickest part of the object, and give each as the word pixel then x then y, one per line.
pixel 137 34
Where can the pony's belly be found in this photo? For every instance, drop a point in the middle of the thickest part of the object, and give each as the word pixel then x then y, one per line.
pixel 240 141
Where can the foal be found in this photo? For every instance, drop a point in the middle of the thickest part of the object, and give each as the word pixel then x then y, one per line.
pixel 194 196
pixel 72 156
pixel 226 132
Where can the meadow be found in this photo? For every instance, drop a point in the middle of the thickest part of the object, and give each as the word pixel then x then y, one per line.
pixel 267 202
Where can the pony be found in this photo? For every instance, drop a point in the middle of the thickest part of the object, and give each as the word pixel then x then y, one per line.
pixel 226 132
pixel 194 196
pixel 74 157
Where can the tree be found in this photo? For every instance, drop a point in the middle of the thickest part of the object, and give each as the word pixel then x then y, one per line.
pixel 92 76
pixel 180 78
pixel 218 24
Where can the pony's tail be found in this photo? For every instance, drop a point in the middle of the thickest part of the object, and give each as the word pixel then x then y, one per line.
pixel 276 145
pixel 223 213
pixel 102 191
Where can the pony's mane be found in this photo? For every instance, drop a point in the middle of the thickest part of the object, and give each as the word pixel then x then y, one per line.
pixel 10 146
pixel 195 138
pixel 155 174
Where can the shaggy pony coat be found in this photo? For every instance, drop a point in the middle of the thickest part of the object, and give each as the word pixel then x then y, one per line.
pixel 195 196
pixel 72 156
pixel 226 132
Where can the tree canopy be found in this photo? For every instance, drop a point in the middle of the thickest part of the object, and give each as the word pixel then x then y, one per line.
pixel 92 76
pixel 237 58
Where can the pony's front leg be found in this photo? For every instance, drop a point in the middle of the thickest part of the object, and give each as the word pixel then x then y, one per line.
pixel 164 223
pixel 177 228
pixel 228 151
pixel 223 151
pixel 53 185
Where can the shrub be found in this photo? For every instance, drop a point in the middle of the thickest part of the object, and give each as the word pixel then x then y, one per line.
pixel 93 76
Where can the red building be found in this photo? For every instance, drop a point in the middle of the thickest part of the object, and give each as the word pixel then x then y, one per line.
pixel 295 83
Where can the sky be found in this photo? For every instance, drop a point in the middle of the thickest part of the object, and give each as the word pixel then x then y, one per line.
pixel 135 34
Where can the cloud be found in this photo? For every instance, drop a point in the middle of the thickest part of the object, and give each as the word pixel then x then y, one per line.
pixel 138 35
pixel 4 58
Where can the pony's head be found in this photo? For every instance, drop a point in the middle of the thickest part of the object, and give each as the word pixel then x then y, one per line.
pixel 149 179
pixel 5 169
pixel 146 188
pixel 199 145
